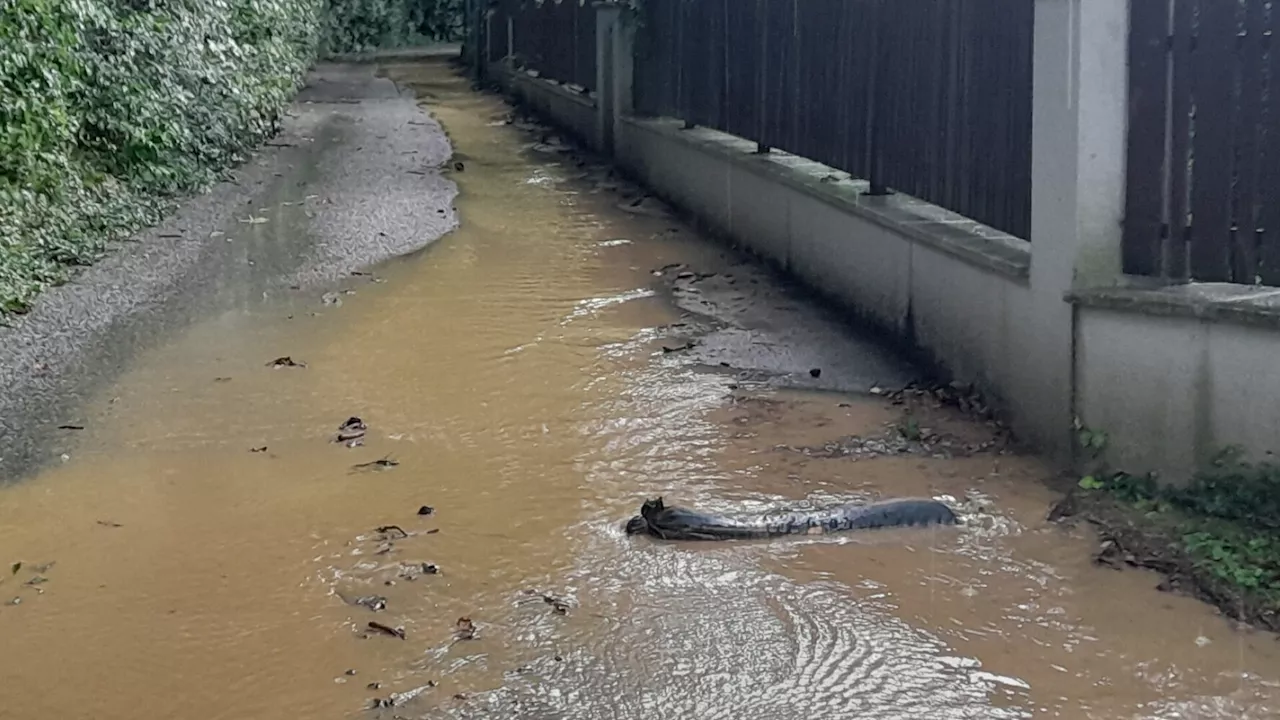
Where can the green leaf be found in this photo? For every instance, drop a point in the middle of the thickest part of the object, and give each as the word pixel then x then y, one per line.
pixel 1089 482
pixel 1099 440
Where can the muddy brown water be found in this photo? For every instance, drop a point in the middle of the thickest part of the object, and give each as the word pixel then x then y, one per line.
pixel 515 372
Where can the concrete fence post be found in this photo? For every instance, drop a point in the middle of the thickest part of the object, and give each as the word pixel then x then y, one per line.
pixel 608 16
pixel 615 65
pixel 1078 141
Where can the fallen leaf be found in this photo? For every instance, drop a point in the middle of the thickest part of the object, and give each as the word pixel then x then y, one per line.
pixel 383 464
pixel 376 603
pixel 386 629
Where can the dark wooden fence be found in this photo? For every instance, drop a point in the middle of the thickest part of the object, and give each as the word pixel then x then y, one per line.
pixel 555 37
pixel 1203 199
pixel 927 97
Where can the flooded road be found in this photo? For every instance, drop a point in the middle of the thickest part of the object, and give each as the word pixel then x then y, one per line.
pixel 216 554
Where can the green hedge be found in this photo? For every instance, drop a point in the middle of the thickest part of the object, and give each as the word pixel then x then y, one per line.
pixel 353 26
pixel 111 108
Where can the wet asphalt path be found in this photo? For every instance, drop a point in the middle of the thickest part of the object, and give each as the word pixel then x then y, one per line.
pixel 354 178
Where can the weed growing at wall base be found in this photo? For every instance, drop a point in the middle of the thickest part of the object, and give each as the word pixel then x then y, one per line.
pixel 1217 537
pixel 109 110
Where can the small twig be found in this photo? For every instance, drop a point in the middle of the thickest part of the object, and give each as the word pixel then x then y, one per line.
pixel 385 529
pixel 385 462
pixel 386 629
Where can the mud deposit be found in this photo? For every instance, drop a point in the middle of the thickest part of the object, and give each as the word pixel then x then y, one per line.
pixel 419 515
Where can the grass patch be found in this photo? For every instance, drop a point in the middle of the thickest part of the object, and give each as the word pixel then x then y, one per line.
pixel 1217 537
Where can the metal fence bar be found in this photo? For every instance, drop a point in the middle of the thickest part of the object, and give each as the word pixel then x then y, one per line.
pixel 1248 127
pixel 929 97
pixel 1268 193
pixel 1175 252
pixel 1203 196
pixel 555 37
pixel 1146 222
pixel 1213 95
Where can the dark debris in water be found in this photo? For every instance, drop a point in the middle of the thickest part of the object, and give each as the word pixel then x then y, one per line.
pixel 426 510
pixel 559 605
pixel 381 464
pixel 1111 554
pixel 413 570
pixel 679 348
pixel 386 629
pixel 286 362
pixel 397 699
pixel 907 439
pixel 465 629
pixel 351 431
pixel 964 397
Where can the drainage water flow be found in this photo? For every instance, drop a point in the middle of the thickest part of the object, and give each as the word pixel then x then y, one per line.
pixel 526 383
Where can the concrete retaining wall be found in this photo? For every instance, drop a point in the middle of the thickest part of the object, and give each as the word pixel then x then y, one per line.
pixel 575 113
pixel 1052 332
pixel 957 290
pixel 1174 375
